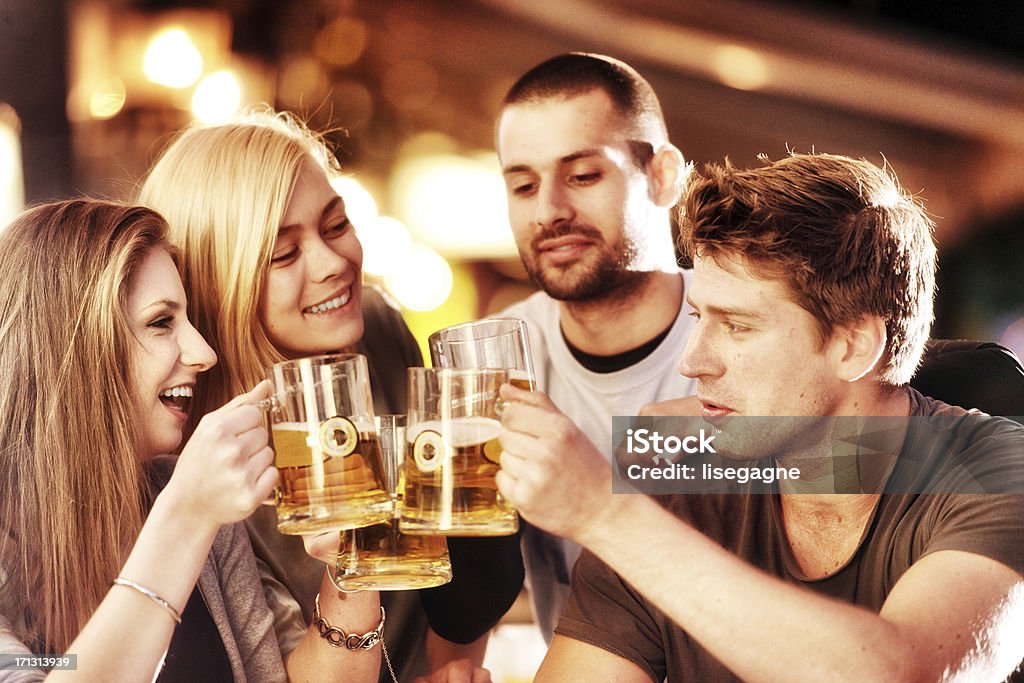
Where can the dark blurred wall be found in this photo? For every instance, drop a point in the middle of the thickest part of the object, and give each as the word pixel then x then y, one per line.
pixel 33 80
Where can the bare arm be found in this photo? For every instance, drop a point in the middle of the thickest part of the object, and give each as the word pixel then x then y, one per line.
pixel 315 659
pixel 221 476
pixel 729 606
pixel 441 651
pixel 568 659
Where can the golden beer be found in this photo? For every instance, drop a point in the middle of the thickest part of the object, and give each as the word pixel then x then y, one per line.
pixel 330 477
pixel 524 383
pixel 380 557
pixel 450 488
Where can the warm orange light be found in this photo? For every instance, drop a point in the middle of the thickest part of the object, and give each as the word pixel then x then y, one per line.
pixel 217 97
pixel 172 59
pixel 12 187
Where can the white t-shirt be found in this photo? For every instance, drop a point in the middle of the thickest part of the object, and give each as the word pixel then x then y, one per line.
pixel 590 399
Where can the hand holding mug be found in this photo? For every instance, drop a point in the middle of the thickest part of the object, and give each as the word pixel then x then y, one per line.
pixel 227 468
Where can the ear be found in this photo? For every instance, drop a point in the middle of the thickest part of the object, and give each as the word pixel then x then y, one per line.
pixel 666 171
pixel 859 347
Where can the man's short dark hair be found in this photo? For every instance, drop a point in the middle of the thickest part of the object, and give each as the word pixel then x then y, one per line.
pixel 577 73
pixel 840 232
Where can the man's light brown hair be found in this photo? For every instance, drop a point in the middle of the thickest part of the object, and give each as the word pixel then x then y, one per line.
pixel 840 232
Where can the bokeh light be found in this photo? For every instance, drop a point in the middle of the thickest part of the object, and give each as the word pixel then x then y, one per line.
pixel 107 98
pixel 386 245
pixel 740 67
pixel 172 59
pixel 422 281
pixel 217 97
pixel 12 186
pixel 456 204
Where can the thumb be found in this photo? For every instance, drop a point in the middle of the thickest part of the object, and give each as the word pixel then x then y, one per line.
pixel 261 392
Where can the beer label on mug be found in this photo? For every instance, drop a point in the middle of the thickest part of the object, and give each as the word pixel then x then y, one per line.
pixel 428 450
pixel 338 436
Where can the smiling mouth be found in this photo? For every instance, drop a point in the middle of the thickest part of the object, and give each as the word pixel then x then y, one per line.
pixel 177 398
pixel 330 304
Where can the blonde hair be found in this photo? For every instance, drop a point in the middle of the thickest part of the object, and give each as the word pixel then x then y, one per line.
pixel 72 493
pixel 223 190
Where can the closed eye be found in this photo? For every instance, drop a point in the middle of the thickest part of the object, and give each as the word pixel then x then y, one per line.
pixel 586 178
pixel 337 229
pixel 522 189
pixel 284 256
pixel 163 322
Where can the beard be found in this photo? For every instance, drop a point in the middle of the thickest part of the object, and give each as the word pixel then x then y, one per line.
pixel 599 276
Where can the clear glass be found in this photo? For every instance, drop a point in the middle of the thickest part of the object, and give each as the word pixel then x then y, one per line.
pixel 489 343
pixel 453 454
pixel 325 445
pixel 380 557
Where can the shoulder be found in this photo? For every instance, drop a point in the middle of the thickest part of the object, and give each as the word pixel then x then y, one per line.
pixel 379 308
pixel 537 305
pixel 539 311
pixel 952 450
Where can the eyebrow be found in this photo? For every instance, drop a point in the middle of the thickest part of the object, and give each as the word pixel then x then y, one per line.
pixel 328 208
pixel 567 159
pixel 749 313
pixel 174 306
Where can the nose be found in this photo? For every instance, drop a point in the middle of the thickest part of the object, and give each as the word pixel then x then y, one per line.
pixel 553 205
pixel 324 262
pixel 195 352
pixel 699 359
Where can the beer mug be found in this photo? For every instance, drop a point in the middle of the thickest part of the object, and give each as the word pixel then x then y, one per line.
pixel 453 453
pixel 380 557
pixel 325 445
pixel 489 343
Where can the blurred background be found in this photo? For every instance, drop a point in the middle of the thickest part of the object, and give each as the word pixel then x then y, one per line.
pixel 91 90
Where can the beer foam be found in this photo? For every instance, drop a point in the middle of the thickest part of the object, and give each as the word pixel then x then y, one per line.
pixel 291 426
pixel 459 431
pixel 363 426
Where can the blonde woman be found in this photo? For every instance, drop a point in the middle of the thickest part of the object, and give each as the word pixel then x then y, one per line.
pixel 273 268
pixel 104 552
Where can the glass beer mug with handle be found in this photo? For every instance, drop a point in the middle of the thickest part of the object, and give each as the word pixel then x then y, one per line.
pixel 489 343
pixel 325 445
pixel 453 454
pixel 380 557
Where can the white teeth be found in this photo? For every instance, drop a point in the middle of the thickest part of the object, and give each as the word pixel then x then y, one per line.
pixel 177 391
pixel 336 302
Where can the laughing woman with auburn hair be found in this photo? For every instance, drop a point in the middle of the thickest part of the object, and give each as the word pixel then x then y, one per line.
pixel 108 550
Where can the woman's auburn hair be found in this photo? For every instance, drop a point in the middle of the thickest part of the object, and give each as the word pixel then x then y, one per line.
pixel 224 190
pixel 73 495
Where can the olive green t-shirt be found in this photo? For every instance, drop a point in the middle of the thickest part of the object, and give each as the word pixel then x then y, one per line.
pixel 938 502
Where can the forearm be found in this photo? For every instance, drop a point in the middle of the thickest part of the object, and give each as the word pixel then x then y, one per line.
pixel 128 634
pixel 315 659
pixel 441 651
pixel 757 625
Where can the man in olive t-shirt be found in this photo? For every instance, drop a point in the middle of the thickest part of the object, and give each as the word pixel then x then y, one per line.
pixel 813 284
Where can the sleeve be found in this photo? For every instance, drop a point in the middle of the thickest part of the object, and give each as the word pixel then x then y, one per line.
pixel 991 525
pixel 606 612
pixel 252 622
pixel 11 645
pixel 487 575
pixel 289 624
pixel 988 521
